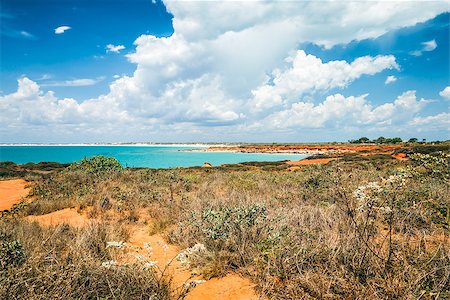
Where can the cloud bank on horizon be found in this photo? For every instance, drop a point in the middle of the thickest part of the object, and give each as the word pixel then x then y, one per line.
pixel 240 71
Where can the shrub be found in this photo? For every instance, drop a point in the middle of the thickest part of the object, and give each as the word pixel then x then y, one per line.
pixel 97 165
pixel 11 253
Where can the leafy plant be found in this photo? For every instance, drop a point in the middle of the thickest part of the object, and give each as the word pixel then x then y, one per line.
pixel 96 165
pixel 11 254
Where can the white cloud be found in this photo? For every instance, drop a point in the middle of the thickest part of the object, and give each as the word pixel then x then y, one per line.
pixel 445 93
pixel 308 73
pixel 26 34
pixel 31 106
pixel 324 22
pixel 227 60
pixel 426 47
pixel 437 122
pixel 390 79
pixel 429 46
pixel 44 77
pixel 74 82
pixel 338 111
pixel 62 29
pixel 113 48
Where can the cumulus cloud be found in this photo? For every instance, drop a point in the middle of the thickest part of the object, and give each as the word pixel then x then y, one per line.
pixel 113 48
pixel 309 73
pixel 390 79
pixel 226 66
pixel 29 105
pixel 439 122
pixel 445 93
pixel 62 29
pixel 426 47
pixel 340 111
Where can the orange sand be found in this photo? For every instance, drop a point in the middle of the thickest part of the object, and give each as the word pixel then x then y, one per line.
pixel 400 156
pixel 294 168
pixel 68 216
pixel 339 148
pixel 310 161
pixel 230 287
pixel 12 192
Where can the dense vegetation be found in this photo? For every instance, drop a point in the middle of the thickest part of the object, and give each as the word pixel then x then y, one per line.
pixel 383 140
pixel 366 228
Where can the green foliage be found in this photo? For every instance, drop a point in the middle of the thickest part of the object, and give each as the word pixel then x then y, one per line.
pixel 96 165
pixel 380 140
pixel 435 165
pixel 11 253
pixel 10 169
pixel 218 224
pixel 14 210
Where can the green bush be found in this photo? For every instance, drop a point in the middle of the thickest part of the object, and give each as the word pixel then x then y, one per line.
pixel 11 254
pixel 435 165
pixel 96 165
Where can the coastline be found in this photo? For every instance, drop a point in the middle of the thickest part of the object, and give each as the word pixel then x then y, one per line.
pixel 199 145
pixel 303 149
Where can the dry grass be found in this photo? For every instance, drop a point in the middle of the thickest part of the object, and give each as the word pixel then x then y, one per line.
pixel 66 263
pixel 370 228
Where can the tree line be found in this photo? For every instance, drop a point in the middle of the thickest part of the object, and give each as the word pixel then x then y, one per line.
pixel 383 140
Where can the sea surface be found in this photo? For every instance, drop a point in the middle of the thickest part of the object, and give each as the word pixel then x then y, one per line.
pixel 136 156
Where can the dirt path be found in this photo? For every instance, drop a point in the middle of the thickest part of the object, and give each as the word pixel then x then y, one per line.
pixel 229 287
pixel 12 192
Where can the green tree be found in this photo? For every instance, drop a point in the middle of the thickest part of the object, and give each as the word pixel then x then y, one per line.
pixel 380 140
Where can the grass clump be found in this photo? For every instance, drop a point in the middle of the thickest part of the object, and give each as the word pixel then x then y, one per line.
pixel 67 263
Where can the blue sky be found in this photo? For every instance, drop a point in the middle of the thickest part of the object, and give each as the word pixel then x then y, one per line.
pixel 80 52
pixel 142 70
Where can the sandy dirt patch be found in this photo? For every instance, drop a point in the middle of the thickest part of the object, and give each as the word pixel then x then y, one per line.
pixel 230 287
pixel 310 161
pixel 12 192
pixel 68 216
pixel 400 156
pixel 312 149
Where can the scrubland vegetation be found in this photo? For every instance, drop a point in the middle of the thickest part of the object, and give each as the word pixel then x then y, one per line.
pixel 355 228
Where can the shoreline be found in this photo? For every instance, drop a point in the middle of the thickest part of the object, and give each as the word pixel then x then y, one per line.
pixel 303 149
pixel 197 145
pixel 276 152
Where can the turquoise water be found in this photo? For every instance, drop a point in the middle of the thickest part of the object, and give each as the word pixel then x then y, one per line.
pixel 135 156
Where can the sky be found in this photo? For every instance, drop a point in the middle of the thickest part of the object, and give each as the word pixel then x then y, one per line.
pixel 208 71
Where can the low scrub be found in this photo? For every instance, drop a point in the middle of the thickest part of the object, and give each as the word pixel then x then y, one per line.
pixel 66 263
pixel 372 228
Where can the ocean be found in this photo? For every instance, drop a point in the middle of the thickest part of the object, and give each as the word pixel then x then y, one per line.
pixel 136 156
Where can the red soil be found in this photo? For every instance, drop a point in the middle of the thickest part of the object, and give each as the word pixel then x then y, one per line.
pixel 400 156
pixel 12 192
pixel 307 148
pixel 230 287
pixel 310 161
pixel 68 216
